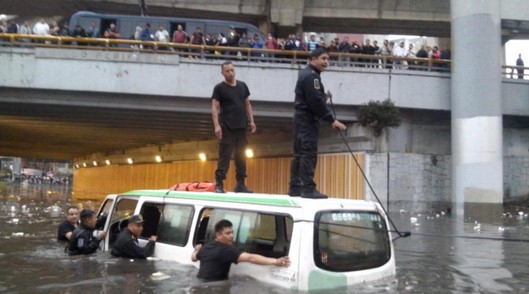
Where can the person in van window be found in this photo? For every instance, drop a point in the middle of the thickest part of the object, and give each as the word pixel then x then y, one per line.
pixel 216 257
pixel 83 240
pixel 127 244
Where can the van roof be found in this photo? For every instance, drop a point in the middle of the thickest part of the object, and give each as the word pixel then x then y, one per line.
pixel 255 199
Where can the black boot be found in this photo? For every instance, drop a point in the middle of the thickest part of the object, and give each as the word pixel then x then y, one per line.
pixel 242 188
pixel 219 187
pixel 312 193
pixel 294 190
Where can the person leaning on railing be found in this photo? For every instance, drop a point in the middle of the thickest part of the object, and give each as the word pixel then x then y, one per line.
pixel 112 33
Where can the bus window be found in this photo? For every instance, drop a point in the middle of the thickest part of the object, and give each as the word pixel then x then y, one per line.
pixel 350 241
pixel 254 232
pixel 173 26
pixel 105 24
pixel 175 224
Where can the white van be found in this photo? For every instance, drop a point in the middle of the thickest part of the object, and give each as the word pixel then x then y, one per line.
pixel 332 243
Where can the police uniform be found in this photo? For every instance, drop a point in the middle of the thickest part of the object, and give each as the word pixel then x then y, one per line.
pixel 127 245
pixel 83 241
pixel 310 106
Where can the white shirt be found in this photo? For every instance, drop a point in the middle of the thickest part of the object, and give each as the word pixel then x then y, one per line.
pixel 41 29
pixel 162 36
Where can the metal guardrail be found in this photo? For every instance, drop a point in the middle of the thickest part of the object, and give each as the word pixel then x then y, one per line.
pixel 251 55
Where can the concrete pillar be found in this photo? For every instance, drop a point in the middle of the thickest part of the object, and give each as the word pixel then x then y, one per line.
pixel 287 15
pixel 477 155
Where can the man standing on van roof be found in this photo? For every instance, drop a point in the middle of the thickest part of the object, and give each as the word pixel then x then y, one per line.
pixel 310 106
pixel 127 244
pixel 216 257
pixel 232 113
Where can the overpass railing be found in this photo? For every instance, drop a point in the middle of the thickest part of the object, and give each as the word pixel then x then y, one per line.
pixel 202 52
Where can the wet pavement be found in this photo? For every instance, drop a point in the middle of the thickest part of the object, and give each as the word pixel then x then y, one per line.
pixel 487 253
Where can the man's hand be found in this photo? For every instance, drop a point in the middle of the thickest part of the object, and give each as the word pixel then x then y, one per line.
pixel 253 127
pixel 283 261
pixel 218 132
pixel 194 254
pixel 338 125
pixel 198 247
pixel 328 96
pixel 102 235
pixel 153 238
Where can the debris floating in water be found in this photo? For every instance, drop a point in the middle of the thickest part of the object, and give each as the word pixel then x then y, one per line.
pixel 158 276
pixel 413 220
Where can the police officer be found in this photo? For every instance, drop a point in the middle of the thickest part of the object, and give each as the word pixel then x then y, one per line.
pixel 310 106
pixel 83 240
pixel 127 244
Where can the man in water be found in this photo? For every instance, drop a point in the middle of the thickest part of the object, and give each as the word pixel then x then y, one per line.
pixel 83 239
pixel 64 232
pixel 216 257
pixel 127 244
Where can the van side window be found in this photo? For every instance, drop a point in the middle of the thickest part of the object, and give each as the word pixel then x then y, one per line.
pixel 350 240
pixel 254 232
pixel 103 214
pixel 175 224
pixel 122 211
pixel 151 213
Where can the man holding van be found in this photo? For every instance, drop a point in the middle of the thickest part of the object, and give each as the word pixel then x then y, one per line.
pixel 216 257
pixel 127 244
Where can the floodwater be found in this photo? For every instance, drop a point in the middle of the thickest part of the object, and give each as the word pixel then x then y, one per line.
pixel 444 254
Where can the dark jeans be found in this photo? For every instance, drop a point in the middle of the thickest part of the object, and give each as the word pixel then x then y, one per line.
pixel 303 165
pixel 232 142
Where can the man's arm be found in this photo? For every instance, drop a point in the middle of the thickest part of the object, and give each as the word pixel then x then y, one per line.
pixel 194 254
pixel 249 114
pixel 215 110
pixel 262 260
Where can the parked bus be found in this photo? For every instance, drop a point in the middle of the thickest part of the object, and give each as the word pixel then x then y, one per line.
pixel 126 24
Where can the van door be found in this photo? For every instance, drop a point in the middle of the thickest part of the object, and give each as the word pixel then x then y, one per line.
pixel 113 215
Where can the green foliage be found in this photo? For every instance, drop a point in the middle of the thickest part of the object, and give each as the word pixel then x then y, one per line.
pixel 379 115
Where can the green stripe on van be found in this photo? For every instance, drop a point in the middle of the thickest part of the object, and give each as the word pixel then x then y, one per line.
pixel 273 201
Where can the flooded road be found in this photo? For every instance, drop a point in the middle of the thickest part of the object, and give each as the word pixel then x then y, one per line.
pixel 443 255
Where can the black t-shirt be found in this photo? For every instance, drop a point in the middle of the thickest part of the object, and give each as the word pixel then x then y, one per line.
pixel 232 104
pixel 215 261
pixel 64 228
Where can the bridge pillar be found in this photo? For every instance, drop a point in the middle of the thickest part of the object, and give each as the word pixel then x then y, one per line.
pixel 477 139
pixel 287 15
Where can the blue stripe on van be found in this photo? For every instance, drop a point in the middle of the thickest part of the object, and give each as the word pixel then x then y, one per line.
pixel 272 201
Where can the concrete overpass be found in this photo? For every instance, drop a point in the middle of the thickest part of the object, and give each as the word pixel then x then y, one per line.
pixel 402 17
pixel 66 104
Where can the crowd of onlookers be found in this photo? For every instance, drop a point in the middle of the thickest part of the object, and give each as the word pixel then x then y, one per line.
pixel 294 42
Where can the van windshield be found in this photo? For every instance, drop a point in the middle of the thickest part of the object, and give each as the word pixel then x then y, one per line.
pixel 350 240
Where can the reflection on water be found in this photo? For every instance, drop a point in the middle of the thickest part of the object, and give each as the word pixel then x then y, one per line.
pixel 443 255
